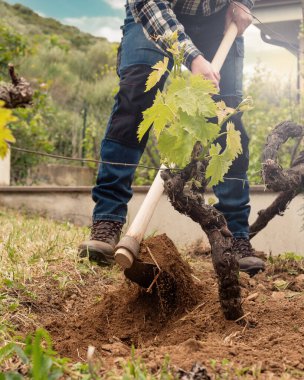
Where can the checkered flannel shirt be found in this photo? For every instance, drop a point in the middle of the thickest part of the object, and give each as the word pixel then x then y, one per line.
pixel 158 18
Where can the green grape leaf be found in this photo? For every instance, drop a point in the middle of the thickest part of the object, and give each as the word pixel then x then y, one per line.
pixel 176 149
pixel 158 71
pixel 192 95
pixel 203 90
pixel 233 144
pixel 160 114
pixel 6 135
pixel 179 92
pixel 218 166
pixel 199 128
pixel 176 142
pixel 175 49
pixel 201 84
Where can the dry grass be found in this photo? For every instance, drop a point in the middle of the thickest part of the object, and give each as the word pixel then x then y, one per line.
pixel 30 244
pixel 33 252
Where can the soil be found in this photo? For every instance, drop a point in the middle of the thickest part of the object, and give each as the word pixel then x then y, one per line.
pixel 188 325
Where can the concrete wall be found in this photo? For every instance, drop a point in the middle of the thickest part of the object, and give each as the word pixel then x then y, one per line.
pixel 61 175
pixel 74 204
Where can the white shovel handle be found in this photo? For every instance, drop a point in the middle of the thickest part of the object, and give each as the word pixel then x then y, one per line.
pixel 225 46
pixel 144 214
pixel 139 225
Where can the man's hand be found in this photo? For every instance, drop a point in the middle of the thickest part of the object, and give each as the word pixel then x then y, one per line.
pixel 241 15
pixel 203 67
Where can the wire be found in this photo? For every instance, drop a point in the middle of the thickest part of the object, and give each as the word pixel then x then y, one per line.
pixel 282 37
pixel 85 159
pixel 103 162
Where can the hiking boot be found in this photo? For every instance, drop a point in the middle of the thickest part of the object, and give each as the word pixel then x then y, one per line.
pixel 246 257
pixel 104 237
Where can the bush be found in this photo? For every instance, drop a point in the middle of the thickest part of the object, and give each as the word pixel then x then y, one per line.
pixel 274 102
pixel 12 45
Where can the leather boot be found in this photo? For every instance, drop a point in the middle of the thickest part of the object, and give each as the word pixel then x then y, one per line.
pixel 104 237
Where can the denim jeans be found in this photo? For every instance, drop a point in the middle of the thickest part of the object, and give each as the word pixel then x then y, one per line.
pixel 136 56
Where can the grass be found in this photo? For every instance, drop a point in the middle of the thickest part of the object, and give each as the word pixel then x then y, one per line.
pixel 30 245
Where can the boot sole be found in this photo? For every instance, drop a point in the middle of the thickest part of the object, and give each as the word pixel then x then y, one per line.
pixel 100 258
pixel 252 271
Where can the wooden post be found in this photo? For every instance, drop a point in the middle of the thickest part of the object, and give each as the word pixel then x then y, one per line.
pixel 5 170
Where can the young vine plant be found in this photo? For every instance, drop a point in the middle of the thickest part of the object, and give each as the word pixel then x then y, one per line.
pixel 185 113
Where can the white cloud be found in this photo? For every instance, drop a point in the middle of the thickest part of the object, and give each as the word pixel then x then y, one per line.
pixel 108 27
pixel 41 14
pixel 116 4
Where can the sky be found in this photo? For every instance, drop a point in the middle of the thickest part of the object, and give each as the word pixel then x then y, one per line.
pixel 104 18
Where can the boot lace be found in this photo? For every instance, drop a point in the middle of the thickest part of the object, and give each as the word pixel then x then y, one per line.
pixel 243 248
pixel 105 230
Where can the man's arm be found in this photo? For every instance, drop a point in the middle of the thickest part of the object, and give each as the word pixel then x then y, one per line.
pixel 157 19
pixel 239 12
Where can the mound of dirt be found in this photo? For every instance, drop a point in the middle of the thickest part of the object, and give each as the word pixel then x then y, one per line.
pixel 129 314
pixel 182 293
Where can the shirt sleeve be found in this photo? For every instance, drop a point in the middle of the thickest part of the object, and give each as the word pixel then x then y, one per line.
pixel 248 3
pixel 157 19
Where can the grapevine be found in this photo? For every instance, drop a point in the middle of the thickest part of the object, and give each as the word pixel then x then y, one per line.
pixel 185 113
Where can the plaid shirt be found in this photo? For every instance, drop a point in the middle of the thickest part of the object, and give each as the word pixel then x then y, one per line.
pixel 157 18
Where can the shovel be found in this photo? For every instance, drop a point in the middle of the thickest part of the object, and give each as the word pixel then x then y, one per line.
pixel 127 250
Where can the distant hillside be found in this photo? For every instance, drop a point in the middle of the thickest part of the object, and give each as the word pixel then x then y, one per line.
pixel 74 76
pixel 29 23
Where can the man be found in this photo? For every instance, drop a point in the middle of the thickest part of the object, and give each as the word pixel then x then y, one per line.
pixel 200 25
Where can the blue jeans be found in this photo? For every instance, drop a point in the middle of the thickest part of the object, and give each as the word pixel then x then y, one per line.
pixel 136 56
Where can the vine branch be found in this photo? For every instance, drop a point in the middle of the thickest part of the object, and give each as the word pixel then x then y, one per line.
pixel 190 202
pixel 288 182
pixel 18 93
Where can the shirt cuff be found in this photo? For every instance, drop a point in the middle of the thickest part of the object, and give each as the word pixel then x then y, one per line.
pixel 247 3
pixel 191 52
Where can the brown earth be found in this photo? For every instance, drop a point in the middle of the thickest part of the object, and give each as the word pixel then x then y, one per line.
pixel 189 326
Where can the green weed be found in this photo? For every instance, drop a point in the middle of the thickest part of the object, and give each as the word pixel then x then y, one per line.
pixel 136 369
pixel 35 359
pixel 39 360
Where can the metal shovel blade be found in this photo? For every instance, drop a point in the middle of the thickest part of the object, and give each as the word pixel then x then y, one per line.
pixel 142 273
pixel 146 276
